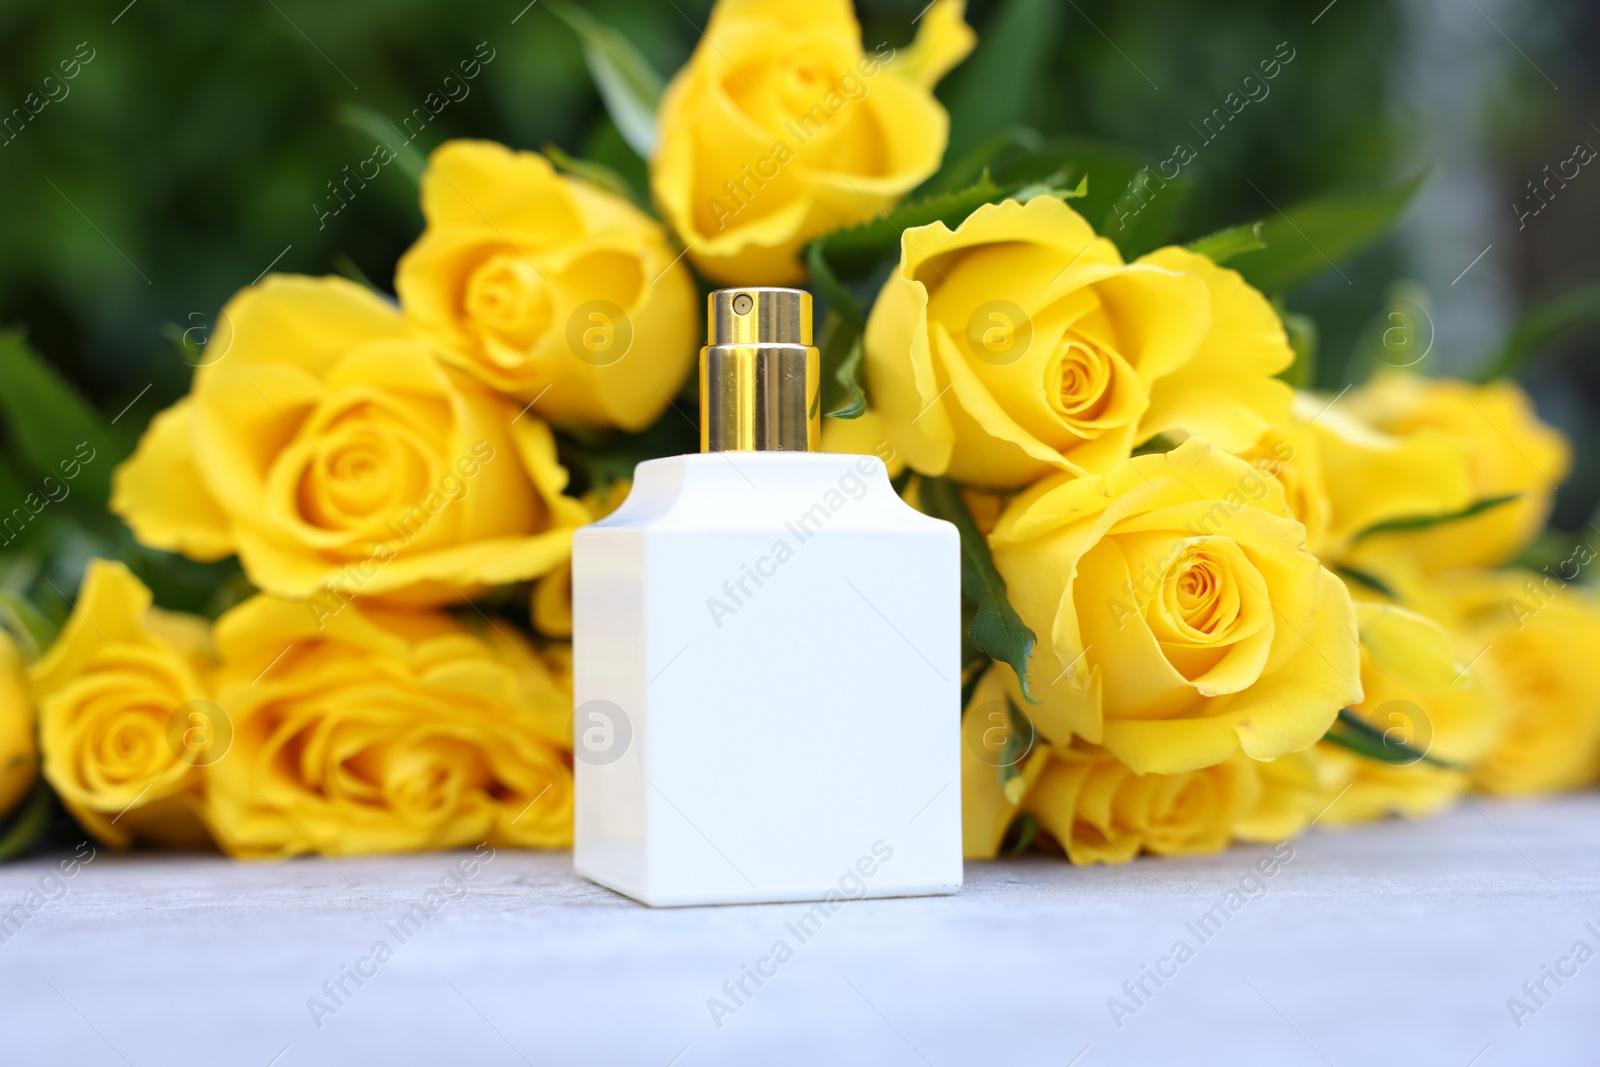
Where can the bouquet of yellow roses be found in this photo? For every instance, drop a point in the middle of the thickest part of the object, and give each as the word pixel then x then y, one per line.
pixel 1202 601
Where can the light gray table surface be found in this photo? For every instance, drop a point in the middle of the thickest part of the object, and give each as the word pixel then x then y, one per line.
pixel 1390 944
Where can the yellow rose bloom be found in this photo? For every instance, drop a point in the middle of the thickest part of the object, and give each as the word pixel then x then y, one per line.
pixel 781 128
pixel 121 695
pixel 1416 691
pixel 1099 811
pixel 1020 344
pixel 1178 614
pixel 19 753
pixel 1508 451
pixel 1539 637
pixel 325 444
pixel 383 730
pixel 1341 476
pixel 548 288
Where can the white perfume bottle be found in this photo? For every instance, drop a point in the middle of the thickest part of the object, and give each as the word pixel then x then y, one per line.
pixel 766 654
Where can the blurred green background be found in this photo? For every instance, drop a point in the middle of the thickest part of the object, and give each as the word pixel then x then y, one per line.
pixel 195 145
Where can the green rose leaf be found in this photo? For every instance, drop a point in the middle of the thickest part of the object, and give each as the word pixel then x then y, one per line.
pixel 1310 238
pixel 1423 522
pixel 1223 245
pixel 857 250
pixel 996 627
pixel 33 631
pixel 28 823
pixel 841 364
pixel 52 423
pixel 627 82
pixel 376 124
pixel 597 174
pixel 1542 324
pixel 1302 331
pixel 1355 734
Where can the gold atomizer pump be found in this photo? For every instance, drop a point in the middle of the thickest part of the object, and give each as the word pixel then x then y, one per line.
pixel 760 375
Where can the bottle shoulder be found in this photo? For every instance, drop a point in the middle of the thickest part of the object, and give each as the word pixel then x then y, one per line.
pixel 765 490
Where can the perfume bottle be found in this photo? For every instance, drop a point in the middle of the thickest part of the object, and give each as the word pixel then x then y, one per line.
pixel 766 645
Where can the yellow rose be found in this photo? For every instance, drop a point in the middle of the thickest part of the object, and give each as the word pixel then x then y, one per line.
pixel 1416 692
pixel 1021 344
pixel 780 129
pixel 548 288
pixel 1099 811
pixel 327 446
pixel 124 720
pixel 19 753
pixel 1341 476
pixel 386 730
pixel 1540 638
pixel 1508 451
pixel 1178 614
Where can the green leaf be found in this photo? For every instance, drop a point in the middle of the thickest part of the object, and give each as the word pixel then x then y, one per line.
pixel 999 83
pixel 1127 200
pixel 845 375
pixel 1355 734
pixel 1423 522
pixel 1223 245
pixel 1372 582
pixel 996 627
pixel 833 291
pixel 959 173
pixel 28 823
pixel 856 250
pixel 1310 238
pixel 52 424
pixel 627 82
pixel 1542 324
pixel 1021 737
pixel 376 124
pixel 597 174
pixel 1026 828
pixel 597 459
pixel 34 633
pixel 1302 331
pixel 605 146
pixel 343 265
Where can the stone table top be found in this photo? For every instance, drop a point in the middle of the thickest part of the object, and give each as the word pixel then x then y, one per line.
pixel 1396 943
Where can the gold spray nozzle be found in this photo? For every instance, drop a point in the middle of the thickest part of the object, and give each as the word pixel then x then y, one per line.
pixel 760 375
